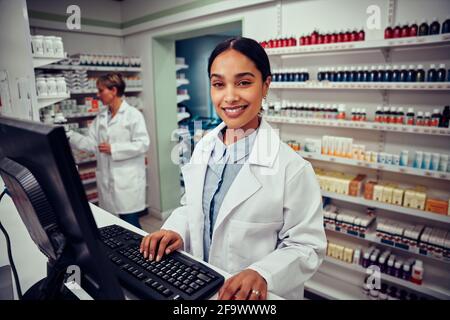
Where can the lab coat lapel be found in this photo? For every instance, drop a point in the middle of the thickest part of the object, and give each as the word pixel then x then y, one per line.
pixel 263 155
pixel 243 187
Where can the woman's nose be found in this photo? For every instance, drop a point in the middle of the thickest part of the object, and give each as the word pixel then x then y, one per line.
pixel 231 96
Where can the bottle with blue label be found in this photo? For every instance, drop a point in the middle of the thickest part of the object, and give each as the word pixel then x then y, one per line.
pixel 395 74
pixel 320 74
pixel 366 73
pixel 359 74
pixel 387 76
pixel 339 74
pixel 432 74
pixel 373 77
pixel 411 76
pixel 441 73
pixel 435 27
pixel 332 74
pixel 353 74
pixel 446 25
pixel 420 74
pixel 345 74
pixel 380 73
pixel 403 73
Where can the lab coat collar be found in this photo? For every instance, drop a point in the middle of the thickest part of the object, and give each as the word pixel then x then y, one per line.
pixel 264 151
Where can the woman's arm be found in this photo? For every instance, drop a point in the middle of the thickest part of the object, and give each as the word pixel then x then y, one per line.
pixel 87 142
pixel 138 145
pixel 303 240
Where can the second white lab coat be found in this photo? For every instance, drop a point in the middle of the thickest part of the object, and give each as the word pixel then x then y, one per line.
pixel 270 220
pixel 121 176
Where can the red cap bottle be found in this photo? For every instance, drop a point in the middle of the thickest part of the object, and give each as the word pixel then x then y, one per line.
pixel 413 29
pixel 340 36
pixel 271 44
pixel 307 40
pixel 354 36
pixel 404 31
pixel 361 35
pixel 302 40
pixel 314 36
pixel 346 36
pixel 327 38
pixel 319 39
pixel 397 32
pixel 388 33
pixel 333 38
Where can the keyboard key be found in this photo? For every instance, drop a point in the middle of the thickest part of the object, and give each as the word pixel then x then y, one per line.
pixel 204 277
pixel 167 293
pixel 161 288
pixel 183 287
pixel 194 285
pixel 199 282
pixel 171 280
pixel 177 284
pixel 189 290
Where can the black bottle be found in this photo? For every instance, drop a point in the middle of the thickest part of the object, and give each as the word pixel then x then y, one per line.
pixel 412 74
pixel 365 77
pixel 387 74
pixel 432 74
pixel 441 73
pixel 420 75
pixel 446 26
pixel 435 27
pixel 339 74
pixel 380 74
pixel 395 74
pixel 359 74
pixel 306 75
pixel 423 29
pixel 373 76
pixel 354 75
pixel 320 74
pixel 345 75
pixel 444 121
pixel 403 74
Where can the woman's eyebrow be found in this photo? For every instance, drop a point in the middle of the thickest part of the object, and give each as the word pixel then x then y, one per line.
pixel 239 75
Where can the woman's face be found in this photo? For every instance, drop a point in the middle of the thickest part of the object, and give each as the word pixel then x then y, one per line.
pixel 237 90
pixel 106 95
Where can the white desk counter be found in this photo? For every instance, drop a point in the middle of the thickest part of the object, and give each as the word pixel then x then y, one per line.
pixel 31 263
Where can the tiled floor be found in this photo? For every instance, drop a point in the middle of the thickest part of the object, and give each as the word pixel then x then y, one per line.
pixel 150 223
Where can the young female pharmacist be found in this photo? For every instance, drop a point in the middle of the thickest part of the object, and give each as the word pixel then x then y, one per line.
pixel 252 206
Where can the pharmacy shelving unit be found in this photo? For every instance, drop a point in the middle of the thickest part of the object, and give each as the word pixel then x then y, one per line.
pixel 424 288
pixel 360 125
pixel 336 279
pixel 377 166
pixel 48 101
pixel 93 70
pixel 370 237
pixel 328 85
pixel 45 61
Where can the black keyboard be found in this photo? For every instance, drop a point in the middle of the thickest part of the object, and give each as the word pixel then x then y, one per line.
pixel 175 277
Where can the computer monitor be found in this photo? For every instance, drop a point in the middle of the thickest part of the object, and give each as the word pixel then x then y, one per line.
pixel 39 171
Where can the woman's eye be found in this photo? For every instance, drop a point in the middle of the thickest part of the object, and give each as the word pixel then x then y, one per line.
pixel 244 83
pixel 217 84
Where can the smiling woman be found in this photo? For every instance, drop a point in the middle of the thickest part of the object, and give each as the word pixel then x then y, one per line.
pixel 252 205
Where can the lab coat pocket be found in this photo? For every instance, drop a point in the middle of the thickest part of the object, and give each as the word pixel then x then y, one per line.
pixel 250 242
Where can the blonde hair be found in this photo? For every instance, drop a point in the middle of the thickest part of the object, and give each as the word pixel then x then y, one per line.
pixel 112 80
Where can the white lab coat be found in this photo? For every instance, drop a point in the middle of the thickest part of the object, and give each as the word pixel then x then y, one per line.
pixel 121 176
pixel 270 221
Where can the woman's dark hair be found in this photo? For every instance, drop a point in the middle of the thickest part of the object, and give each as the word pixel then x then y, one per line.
pixel 249 48
pixel 112 80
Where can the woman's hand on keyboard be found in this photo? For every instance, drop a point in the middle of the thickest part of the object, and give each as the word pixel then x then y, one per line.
pixel 246 285
pixel 159 243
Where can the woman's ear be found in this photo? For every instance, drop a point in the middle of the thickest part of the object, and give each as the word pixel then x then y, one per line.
pixel 266 85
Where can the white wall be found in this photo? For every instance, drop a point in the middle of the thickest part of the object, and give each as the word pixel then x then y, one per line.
pixel 16 60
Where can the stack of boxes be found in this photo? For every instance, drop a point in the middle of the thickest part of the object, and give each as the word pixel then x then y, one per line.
pixel 353 223
pixel 339 182
pixel 415 198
